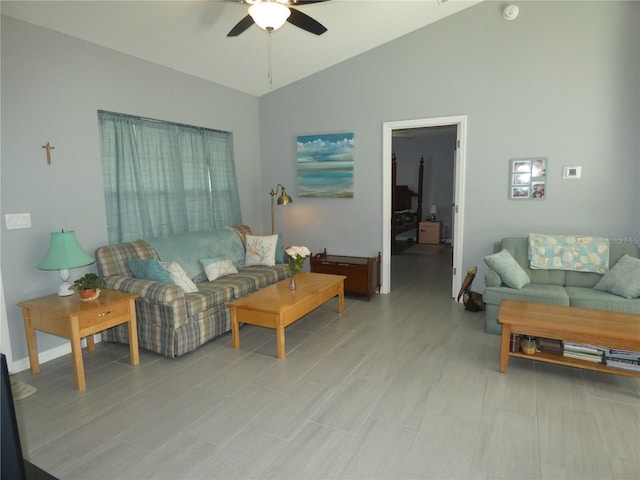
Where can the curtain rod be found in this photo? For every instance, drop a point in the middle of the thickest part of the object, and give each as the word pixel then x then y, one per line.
pixel 176 124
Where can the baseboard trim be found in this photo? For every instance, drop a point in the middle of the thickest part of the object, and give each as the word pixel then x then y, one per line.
pixel 48 355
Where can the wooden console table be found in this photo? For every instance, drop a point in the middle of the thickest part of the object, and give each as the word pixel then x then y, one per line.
pixel 582 325
pixel 363 273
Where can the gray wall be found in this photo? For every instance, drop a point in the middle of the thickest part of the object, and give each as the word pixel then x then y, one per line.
pixel 561 81
pixel 52 87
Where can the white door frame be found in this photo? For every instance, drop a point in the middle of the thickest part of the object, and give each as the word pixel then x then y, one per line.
pixel 458 208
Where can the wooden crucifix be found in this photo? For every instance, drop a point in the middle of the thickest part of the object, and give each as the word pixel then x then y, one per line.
pixel 49 147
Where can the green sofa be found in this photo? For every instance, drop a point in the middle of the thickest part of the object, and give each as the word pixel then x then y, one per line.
pixel 557 287
pixel 172 321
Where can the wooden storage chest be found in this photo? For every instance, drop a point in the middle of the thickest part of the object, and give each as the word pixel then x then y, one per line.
pixel 363 273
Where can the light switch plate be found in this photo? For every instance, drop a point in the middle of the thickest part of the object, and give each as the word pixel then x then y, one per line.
pixel 572 172
pixel 17 220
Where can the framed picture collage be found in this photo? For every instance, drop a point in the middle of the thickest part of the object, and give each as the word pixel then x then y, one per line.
pixel 528 178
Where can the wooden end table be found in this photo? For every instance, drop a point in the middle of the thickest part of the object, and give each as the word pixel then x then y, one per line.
pixel 276 306
pixel 72 318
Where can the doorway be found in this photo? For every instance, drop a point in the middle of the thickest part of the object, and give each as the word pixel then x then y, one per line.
pixel 457 207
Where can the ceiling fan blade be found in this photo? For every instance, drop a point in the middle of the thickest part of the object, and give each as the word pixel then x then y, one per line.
pixel 304 2
pixel 305 22
pixel 241 26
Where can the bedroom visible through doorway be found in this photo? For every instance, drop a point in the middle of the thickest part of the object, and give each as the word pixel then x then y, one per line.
pixel 440 144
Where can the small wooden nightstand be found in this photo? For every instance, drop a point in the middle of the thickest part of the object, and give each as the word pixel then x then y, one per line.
pixel 430 233
pixel 72 318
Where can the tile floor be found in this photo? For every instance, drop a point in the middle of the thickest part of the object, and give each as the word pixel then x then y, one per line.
pixel 403 387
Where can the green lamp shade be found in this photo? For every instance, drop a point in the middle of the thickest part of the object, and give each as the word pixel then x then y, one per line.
pixel 64 252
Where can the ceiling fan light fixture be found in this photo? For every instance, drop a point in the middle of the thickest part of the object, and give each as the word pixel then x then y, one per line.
pixel 269 15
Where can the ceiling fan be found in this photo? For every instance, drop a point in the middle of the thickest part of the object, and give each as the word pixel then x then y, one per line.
pixel 272 14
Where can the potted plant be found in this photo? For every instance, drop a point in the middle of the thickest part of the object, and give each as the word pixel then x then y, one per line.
pixel 88 286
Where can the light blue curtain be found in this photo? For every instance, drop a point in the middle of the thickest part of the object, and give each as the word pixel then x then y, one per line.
pixel 163 178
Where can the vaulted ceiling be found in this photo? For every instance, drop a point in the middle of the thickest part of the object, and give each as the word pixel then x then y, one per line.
pixel 190 36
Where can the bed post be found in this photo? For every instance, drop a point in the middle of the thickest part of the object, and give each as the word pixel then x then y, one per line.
pixel 420 185
pixel 393 202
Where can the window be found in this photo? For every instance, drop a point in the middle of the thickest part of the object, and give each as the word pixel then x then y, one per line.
pixel 162 178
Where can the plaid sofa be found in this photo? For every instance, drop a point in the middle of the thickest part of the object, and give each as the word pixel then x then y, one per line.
pixel 170 321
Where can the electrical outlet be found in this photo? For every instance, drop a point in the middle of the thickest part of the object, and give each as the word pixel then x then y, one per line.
pixel 17 220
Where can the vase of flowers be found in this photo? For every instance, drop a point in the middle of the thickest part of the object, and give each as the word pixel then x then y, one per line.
pixel 296 256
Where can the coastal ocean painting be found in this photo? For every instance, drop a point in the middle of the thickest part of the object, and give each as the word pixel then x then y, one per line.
pixel 325 165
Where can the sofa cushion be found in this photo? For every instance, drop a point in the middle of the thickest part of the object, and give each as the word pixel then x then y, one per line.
pixel 519 249
pixel 261 250
pixel 617 250
pixel 210 295
pixel 113 259
pixel 267 275
pixel 510 272
pixel 623 279
pixel 553 294
pixel 242 231
pixel 179 276
pixel 492 279
pixel 217 267
pixel 598 300
pixel 229 287
pixel 149 269
pixel 279 249
pixel 251 279
pixel 188 248
pixel 582 279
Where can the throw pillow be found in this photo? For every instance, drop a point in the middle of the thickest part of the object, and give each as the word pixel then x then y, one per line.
pixel 510 271
pixel 217 267
pixel 179 276
pixel 148 269
pixel 261 250
pixel 279 249
pixel 623 279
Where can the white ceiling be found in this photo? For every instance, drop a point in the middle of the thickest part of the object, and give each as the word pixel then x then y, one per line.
pixel 190 36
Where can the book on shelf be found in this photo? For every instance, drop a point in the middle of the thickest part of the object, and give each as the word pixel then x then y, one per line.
pixel 614 358
pixel 549 345
pixel 629 361
pixel 590 357
pixel 624 365
pixel 624 352
pixel 635 356
pixel 584 347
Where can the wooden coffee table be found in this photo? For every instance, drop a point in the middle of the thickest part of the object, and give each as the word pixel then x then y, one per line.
pixel 276 306
pixel 582 325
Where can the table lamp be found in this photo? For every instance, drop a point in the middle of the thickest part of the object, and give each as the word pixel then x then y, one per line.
pixel 64 253
pixel 283 199
pixel 433 212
